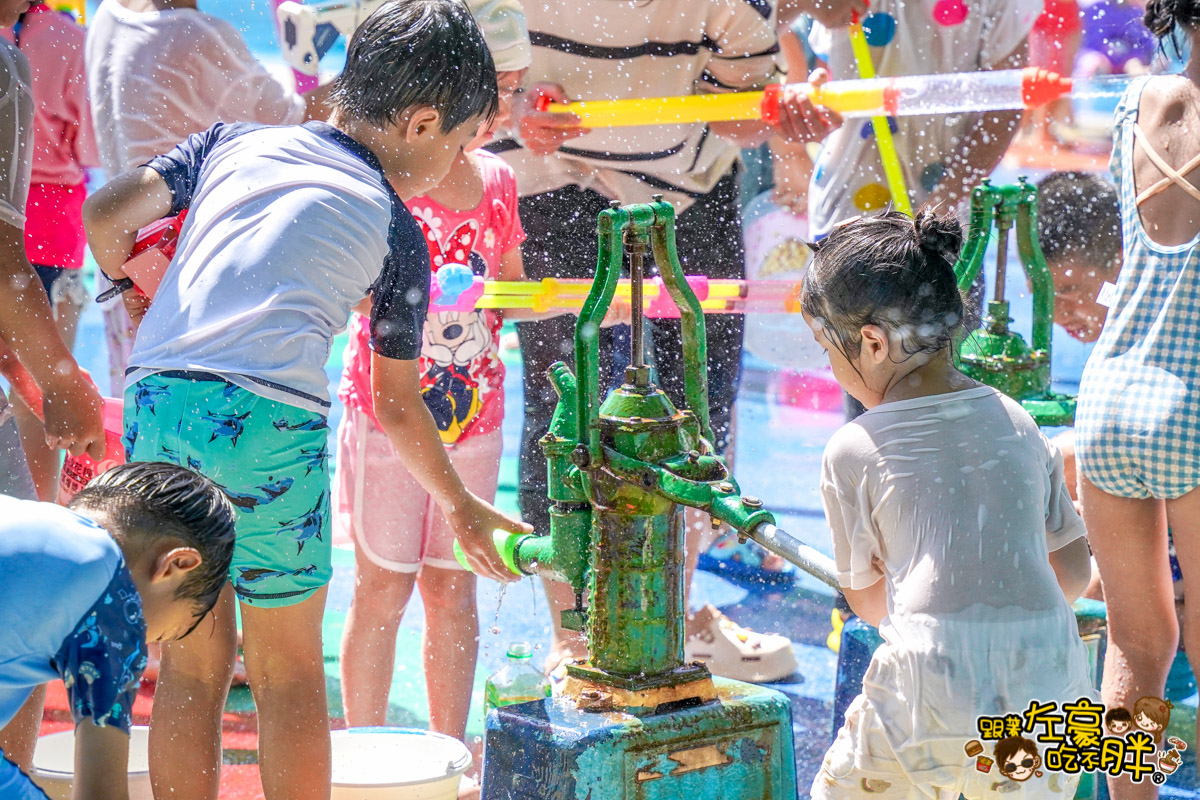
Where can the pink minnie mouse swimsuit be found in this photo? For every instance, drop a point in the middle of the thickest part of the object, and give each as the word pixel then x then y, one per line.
pixel 461 374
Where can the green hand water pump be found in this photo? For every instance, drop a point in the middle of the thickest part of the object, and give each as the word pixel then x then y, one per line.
pixel 995 354
pixel 635 720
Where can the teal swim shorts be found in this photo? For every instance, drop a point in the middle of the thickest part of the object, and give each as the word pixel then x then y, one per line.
pixel 269 457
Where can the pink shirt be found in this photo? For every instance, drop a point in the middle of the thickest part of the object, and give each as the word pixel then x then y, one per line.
pixel 462 377
pixel 63 141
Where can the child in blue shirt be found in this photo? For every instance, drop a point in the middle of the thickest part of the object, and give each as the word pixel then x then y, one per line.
pixel 288 230
pixel 142 553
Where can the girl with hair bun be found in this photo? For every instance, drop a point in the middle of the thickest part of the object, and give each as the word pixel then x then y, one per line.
pixel 1138 423
pixel 953 530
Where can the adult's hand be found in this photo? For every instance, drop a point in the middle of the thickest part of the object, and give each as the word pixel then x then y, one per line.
pixel 541 132
pixel 800 121
pixel 71 405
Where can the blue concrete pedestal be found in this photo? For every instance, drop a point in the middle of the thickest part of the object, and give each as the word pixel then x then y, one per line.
pixel 738 747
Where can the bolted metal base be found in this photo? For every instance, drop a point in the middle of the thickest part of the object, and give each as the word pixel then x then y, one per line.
pixel 594 690
pixel 736 747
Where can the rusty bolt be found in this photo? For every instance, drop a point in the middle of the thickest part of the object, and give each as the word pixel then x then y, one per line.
pixel 725 486
pixel 580 456
pixel 749 501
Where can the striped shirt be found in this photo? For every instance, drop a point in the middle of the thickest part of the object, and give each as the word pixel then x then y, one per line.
pixel 612 49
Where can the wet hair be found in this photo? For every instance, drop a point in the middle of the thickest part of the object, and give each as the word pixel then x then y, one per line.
pixel 147 502
pixel 1078 218
pixel 1009 746
pixel 418 53
pixel 1163 15
pixel 890 271
pixel 1118 714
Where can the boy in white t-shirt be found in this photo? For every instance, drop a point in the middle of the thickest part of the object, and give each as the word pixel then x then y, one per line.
pixel 942 157
pixel 158 71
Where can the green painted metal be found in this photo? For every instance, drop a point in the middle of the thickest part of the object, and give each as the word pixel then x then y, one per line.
pixel 620 473
pixel 695 341
pixel 994 354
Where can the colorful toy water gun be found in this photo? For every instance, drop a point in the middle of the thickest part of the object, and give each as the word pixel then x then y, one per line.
pixel 910 95
pixel 459 293
pixel 152 252
pixel 77 471
pixel 76 8
pixel 307 31
pixel 880 125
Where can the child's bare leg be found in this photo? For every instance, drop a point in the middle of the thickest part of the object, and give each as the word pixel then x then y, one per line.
pixel 185 725
pixel 451 646
pixel 19 737
pixel 1185 528
pixel 1129 540
pixel 286 668
pixel 369 642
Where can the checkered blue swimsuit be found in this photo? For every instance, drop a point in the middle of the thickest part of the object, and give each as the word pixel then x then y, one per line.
pixel 1138 422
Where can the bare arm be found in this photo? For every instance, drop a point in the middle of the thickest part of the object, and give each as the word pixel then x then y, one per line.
pixel 70 403
pixel 982 147
pixel 101 763
pixel 744 133
pixel 115 213
pixel 869 603
pixel 396 387
pixel 1073 568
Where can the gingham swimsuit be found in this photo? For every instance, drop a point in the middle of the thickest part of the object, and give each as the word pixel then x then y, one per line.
pixel 1138 422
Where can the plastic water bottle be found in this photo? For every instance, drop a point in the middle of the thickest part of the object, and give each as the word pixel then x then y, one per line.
pixel 518 682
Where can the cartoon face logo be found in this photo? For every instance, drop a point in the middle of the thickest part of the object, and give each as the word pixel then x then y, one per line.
pixel 1152 714
pixel 1118 721
pixel 452 340
pixel 453 337
pixel 1017 758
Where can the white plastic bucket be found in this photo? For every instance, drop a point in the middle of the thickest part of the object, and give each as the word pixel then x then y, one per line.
pixel 397 764
pixel 54 764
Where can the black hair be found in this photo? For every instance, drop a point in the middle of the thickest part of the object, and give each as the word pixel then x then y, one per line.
pixel 1163 15
pixel 1117 714
pixel 1079 218
pixel 150 501
pixel 891 271
pixel 418 53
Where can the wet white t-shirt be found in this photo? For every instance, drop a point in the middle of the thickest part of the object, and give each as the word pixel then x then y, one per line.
pixel 956 500
pixel 156 77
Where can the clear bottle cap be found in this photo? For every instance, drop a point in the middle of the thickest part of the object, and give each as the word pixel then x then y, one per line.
pixel 520 650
